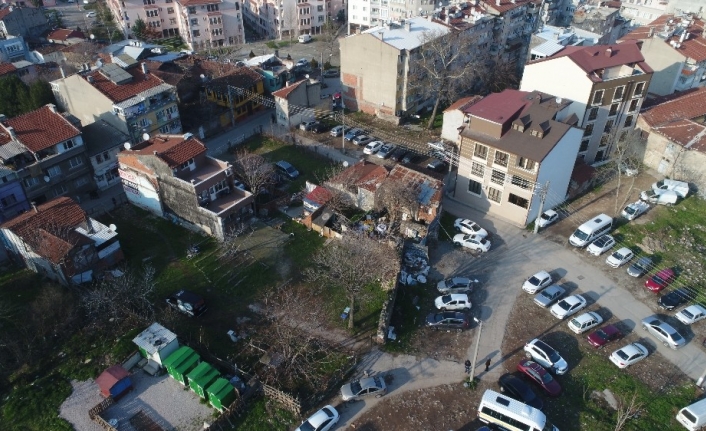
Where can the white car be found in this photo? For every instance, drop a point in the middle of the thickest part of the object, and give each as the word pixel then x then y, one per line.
pixel 620 257
pixel 323 420
pixel 546 356
pixel 537 282
pixel 474 242
pixel 455 301
pixel 691 314
pixel 601 245
pixel 568 306
pixel 469 227
pixel 385 151
pixel 548 217
pixel 373 147
pixel 585 322
pixel 628 355
pixel 91 15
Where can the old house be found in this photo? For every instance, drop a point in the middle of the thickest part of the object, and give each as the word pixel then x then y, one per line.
pixel 65 36
pixel 291 102
pixel 428 191
pixel 360 182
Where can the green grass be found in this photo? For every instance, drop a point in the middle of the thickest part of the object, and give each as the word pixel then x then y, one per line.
pixel 367 308
pixel 34 407
pixel 302 245
pixel 409 319
pixel 447 230
pixel 265 415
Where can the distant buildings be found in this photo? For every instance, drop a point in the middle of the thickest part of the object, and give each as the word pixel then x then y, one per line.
pixel 28 22
pixel 288 19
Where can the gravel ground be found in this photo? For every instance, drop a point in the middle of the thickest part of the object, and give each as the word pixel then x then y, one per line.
pixel 162 398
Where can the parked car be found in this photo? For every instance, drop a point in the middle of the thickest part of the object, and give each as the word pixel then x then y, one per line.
pixel 546 356
pixel 691 314
pixel 398 154
pixel 515 388
pixel 287 169
pixel 352 133
pixel 620 257
pixel 681 188
pixel 456 285
pixel 469 227
pixel 603 336
pixel 641 267
pixel 323 420
pixel 448 320
pixel 319 127
pixel 338 131
pixel 547 296
pixel 437 165
pixel 629 355
pixel 667 197
pixel 187 302
pixel 373 147
pixel 664 332
pixel 385 151
pixel 539 376
pixel 368 387
pixel 410 157
pixel 302 62
pixel 331 73
pixel 601 245
pixel 304 38
pixel 537 282
pixel 661 280
pixel 473 242
pixel 635 210
pixel 676 297
pixel 585 322
pixel 361 140
pixel 548 217
pixel 454 301
pixel 568 306
pixel 91 14
pixel 308 125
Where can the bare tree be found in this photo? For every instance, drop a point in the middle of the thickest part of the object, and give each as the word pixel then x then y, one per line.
pixel 255 171
pixel 352 263
pixel 398 198
pixel 341 188
pixel 329 37
pixel 626 159
pixel 497 75
pixel 627 409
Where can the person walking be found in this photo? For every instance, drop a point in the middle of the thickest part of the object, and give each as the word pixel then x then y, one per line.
pixel 468 366
pixel 487 365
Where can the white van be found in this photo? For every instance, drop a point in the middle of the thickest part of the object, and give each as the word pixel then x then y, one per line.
pixel 591 230
pixel 305 38
pixel 693 417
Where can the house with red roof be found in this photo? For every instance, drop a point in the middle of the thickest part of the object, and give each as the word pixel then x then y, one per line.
pixel 360 182
pixel 675 48
pixel 291 100
pixel 65 36
pixel 58 240
pixel 129 98
pixel 676 136
pixel 607 85
pixel 171 176
pixel 427 189
pixel 47 152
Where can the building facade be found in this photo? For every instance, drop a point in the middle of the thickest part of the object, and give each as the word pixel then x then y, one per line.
pixel 13 200
pixel 642 12
pixel 288 19
pixel 290 100
pixel 28 22
pixel 103 143
pixel 607 84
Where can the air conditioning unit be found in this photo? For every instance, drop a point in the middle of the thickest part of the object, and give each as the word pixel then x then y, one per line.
pixel 229 172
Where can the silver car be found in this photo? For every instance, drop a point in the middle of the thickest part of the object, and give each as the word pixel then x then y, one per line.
pixel 664 332
pixel 546 297
pixel 364 388
pixel 456 285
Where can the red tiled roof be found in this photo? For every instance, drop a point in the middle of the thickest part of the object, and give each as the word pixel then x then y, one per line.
pixel 284 92
pixel 39 129
pixel 320 195
pixel 689 134
pixel 7 68
pixel 499 107
pixel 64 34
pixel 50 230
pixel 596 57
pixel 363 174
pixel 463 103
pixel 172 149
pixel 119 92
pixel 686 105
pixel 4 12
pixel 694 46
pixel 242 77
pixel 506 5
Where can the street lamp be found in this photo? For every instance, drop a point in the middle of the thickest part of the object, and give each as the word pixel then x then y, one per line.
pixel 475 353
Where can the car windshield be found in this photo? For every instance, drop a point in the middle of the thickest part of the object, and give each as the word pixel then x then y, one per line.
pixel 643 263
pixel 618 256
pixel 688 314
pixel 355 387
pixel 622 355
pixel 533 281
pixel 600 242
pixel 546 216
pixel 564 305
pixel 450 283
pixel 657 279
pixel 601 334
pixel 676 336
pixel 630 210
pixel 306 426
pixel 547 378
pixel 546 293
pixel 438 317
pixel 446 299
pixel 581 234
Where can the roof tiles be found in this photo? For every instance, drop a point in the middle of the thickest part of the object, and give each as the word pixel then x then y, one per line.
pixel 172 149
pixel 686 105
pixel 39 129
pixel 120 92
pixel 692 46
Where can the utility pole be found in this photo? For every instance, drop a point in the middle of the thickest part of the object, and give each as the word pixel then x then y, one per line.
pixel 542 197
pixel 475 353
pixel 343 124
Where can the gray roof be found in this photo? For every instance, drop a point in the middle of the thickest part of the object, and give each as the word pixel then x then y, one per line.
pixel 154 338
pixel 400 38
pixel 547 48
pixel 11 149
pixel 101 136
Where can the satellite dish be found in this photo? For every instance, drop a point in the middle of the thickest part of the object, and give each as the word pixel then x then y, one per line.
pixel 127 145
pixel 146 136
pixel 113 228
pixel 46 179
pixel 345 164
pixel 306 76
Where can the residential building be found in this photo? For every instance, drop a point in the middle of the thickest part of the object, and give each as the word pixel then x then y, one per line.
pixel 288 19
pixel 360 182
pixel 607 84
pixel 28 22
pixel 605 21
pixel 429 191
pixel 13 48
pixel 171 176
pixel 676 136
pixel 456 117
pixel 47 152
pixel 675 48
pixel 201 24
pixel 315 198
pixel 291 101
pixel 514 23
pixel 103 143
pixel 515 143
pixel 131 99
pixel 642 12
pixel 549 40
pixel 272 70
pixel 64 36
pixel 59 241
pixel 236 89
pixel 13 200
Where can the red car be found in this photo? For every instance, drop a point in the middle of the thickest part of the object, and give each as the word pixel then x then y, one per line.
pixel 603 336
pixel 660 280
pixel 540 376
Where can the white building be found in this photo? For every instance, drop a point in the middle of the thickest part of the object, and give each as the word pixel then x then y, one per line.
pixel 288 19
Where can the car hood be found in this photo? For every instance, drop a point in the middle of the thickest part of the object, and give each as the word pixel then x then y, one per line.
pixel 553 388
pixel 561 366
pixel 542 300
pixel 346 392
pixel 438 302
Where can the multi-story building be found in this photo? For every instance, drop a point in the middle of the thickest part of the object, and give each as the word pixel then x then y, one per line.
pixel 607 83
pixel 515 21
pixel 28 22
pixel 514 142
pixel 133 100
pixel 602 20
pixel 13 200
pixel 48 154
pixel 13 48
pixel 171 176
pixel 225 91
pixel 103 143
pixel 642 12
pixel 290 18
pixel 201 24
pixel 675 48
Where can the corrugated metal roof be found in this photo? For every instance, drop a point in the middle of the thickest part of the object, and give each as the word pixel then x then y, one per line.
pixel 547 48
pixel 99 232
pixel 11 149
pixel 154 338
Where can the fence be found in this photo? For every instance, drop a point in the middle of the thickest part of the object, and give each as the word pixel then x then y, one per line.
pixel 292 404
pixel 95 413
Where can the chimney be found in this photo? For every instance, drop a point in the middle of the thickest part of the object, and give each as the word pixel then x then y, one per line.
pixel 34 207
pixel 277 53
pixel 52 107
pixel 408 26
pixel 144 68
pixel 3 117
pixel 497 2
pixel 447 20
pixel 89 78
pixel 12 133
pixel 608 52
pixel 651 32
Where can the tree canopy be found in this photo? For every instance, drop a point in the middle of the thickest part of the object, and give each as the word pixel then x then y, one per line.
pixel 17 98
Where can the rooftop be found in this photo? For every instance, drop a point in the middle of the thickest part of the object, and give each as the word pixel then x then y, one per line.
pixel 685 105
pixel 172 149
pixel 463 103
pixel 154 338
pixel 687 133
pixel 119 86
pixel 101 136
pixel 430 188
pixel 363 174
pixel 684 35
pixel 39 129
pixel 283 93
pixel 398 37
pixel 65 34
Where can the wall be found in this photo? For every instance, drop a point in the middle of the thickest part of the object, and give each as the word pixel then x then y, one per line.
pixel 666 62
pixel 12 188
pixel 452 121
pixel 140 190
pixel 17 248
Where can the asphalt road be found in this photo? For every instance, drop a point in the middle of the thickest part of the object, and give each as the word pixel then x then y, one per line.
pixel 73 15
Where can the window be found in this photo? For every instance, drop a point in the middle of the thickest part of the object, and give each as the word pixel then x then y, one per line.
pixel 619 93
pixel 608 126
pixel 196 33
pixel 186 164
pixel 495 195
pixel 75 162
pixel 584 145
pixel 152 13
pixel 172 21
pixel 194 21
pixel 480 151
pixel 633 105
pixel 212 8
pixel 628 121
pixel 54 171
pixel 639 88
pixel 192 10
pixel 146 2
pixel 477 169
pixel 604 140
pixel 592 114
pixel 498 177
pixel 99 159
pixel 8 200
pixel 68 144
pixel 588 130
pixel 613 109
pixel 597 97
pixel 516 200
pixel 501 158
pixel 526 164
pixel 474 187
pixel 31 181
pixel 60 190
pixel 81 181
pixel 520 182
pixel 170 10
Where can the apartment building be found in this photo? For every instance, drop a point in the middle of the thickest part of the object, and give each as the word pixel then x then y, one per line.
pixel 171 176
pixel 514 142
pixel 13 200
pixel 103 143
pixel 642 12
pixel 607 84
pixel 47 153
pixel 202 24
pixel 602 20
pixel 131 99
pixel 287 19
pixel 514 23
pixel 675 48
pixel 28 22
pixel 13 48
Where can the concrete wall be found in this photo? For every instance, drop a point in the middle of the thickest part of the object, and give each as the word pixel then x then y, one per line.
pixel 667 64
pixel 452 121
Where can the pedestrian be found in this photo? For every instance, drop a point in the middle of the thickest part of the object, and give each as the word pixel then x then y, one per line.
pixel 468 366
pixel 487 364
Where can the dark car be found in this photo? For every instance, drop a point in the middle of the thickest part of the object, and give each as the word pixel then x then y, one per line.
pixel 331 73
pixel 363 140
pixel 660 280
pixel 641 267
pixel 448 320
pixel 539 376
pixel 517 389
pixel 352 133
pixel 398 154
pixel 437 165
pixel 603 336
pixel 187 302
pixel 676 298
pixel 410 158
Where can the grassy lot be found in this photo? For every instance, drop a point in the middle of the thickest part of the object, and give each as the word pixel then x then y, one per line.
pixel 279 44
pixel 265 415
pixel 407 318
